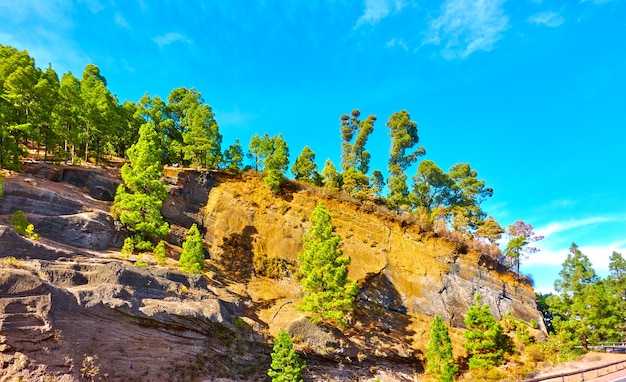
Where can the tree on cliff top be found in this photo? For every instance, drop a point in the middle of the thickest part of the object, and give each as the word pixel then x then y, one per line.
pixel 192 258
pixel 403 133
pixel 439 352
pixel 139 199
pixel 286 364
pixel 329 293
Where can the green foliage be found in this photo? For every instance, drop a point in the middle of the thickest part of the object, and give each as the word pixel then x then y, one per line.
pixel 586 309
pixel 439 352
pixel 194 121
pixel 30 232
pixel 140 262
pixel 286 365
pixel 192 258
pixel 331 177
pixel 354 158
pixel 139 199
pixel 160 254
pixel 490 230
pixel 304 168
pixel 484 341
pixel 233 157
pixel 458 194
pixel 378 183
pixel 19 222
pixel 128 248
pixel 1 183
pixel 329 293
pixel 403 133
pixel 520 235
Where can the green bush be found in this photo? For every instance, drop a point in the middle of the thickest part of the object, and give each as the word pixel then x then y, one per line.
pixel 22 226
pixel 128 248
pixel 160 254
pixel 286 364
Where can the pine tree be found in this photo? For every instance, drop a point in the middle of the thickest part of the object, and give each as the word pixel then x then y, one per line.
pixel 192 258
pixel 286 364
pixel 331 177
pixel 439 352
pixel 139 199
pixel 304 168
pixel 329 293
pixel 403 133
pixel 233 157
pixel 485 342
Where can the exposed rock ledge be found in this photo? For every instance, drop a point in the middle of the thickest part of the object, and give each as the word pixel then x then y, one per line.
pixel 143 323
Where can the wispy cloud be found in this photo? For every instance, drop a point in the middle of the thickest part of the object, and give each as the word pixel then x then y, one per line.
pixel 170 38
pixel 548 19
pixel 397 42
pixel 555 227
pixel 376 10
pixel 467 26
pixel 121 21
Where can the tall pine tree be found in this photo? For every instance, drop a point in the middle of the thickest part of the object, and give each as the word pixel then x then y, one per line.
pixel 485 343
pixel 192 258
pixel 139 199
pixel 439 352
pixel 329 293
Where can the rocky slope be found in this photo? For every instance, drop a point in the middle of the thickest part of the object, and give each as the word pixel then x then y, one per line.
pixel 72 309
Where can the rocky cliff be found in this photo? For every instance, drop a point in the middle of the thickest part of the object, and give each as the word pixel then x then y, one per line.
pixel 72 309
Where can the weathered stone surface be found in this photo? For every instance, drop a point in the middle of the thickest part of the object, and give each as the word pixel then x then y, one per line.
pixel 14 245
pixel 136 323
pixel 399 267
pixel 90 230
pixel 97 183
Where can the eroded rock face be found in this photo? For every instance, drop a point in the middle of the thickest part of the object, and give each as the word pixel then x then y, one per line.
pixel 96 182
pixel 63 214
pixel 398 267
pixel 128 323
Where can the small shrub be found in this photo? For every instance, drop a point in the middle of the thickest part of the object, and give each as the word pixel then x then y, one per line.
pixel 534 324
pixel 160 254
pixel 128 248
pixel 90 369
pixel 239 323
pixel 30 232
pixel 274 268
pixel 140 262
pixel 19 222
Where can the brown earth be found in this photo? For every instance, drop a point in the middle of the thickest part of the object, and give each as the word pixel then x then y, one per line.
pixel 72 309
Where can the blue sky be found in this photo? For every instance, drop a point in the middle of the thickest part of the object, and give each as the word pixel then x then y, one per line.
pixel 532 93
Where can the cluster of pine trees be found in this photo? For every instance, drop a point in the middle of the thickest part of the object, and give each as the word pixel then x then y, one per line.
pixel 79 119
pixel 586 309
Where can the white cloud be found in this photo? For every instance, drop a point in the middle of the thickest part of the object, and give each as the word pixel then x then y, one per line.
pixel 549 19
pixel 467 26
pixel 397 42
pixel 121 21
pixel 170 38
pixel 555 227
pixel 376 10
